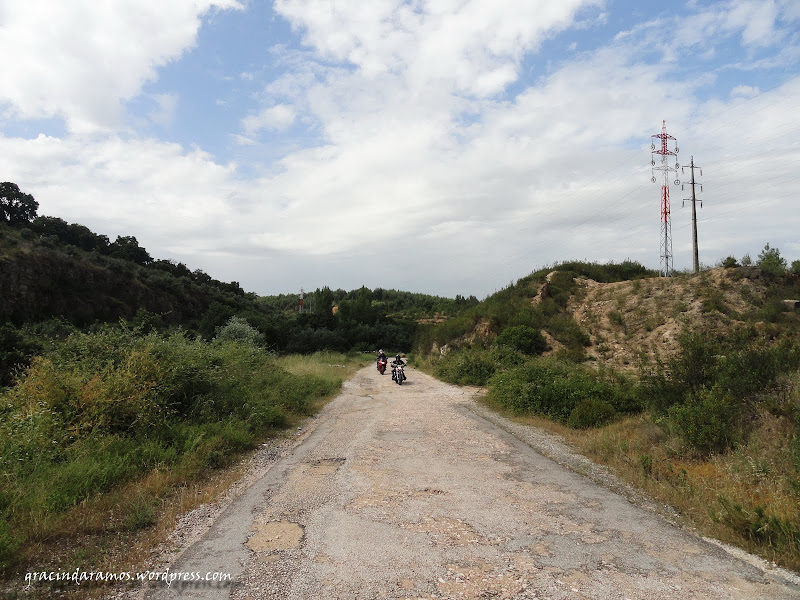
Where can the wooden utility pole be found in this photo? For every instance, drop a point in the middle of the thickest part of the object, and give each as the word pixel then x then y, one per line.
pixel 693 183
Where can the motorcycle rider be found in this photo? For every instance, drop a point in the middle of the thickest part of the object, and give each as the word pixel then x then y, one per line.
pixel 381 357
pixel 396 363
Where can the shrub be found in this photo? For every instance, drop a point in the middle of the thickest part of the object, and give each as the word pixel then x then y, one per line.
pixel 729 262
pixel 467 367
pixel 771 262
pixel 590 413
pixel 706 420
pixel 523 338
pixel 240 331
pixel 554 389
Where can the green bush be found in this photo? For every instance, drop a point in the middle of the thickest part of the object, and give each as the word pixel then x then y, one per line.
pixel 467 367
pixel 703 390
pixel 771 262
pixel 591 413
pixel 729 262
pixel 239 330
pixel 706 421
pixel 554 389
pixel 523 338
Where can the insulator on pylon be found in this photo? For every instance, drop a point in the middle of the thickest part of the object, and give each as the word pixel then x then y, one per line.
pixel 652 146
pixel 653 161
pixel 676 149
pixel 653 179
pixel 701 172
pixel 677 166
pixel 677 182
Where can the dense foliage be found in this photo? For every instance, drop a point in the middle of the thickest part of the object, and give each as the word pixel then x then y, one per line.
pixel 708 392
pixel 100 409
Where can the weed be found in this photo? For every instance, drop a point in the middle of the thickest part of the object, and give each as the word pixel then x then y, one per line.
pixel 646 464
pixel 616 318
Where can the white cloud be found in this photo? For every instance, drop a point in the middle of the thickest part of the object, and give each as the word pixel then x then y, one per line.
pixel 745 91
pixel 166 105
pixel 274 118
pixel 81 59
pixel 154 190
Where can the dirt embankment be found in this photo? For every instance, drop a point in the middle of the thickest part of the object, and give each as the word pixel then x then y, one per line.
pixel 628 321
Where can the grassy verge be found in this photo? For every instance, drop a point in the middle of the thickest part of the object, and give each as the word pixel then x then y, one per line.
pixel 108 436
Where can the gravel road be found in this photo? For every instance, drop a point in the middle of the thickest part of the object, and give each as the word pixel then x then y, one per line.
pixel 415 491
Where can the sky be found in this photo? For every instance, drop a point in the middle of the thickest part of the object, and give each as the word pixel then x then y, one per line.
pixel 437 146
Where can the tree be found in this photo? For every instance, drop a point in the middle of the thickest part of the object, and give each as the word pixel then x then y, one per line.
pixel 523 338
pixel 770 261
pixel 240 331
pixel 16 207
pixel 127 248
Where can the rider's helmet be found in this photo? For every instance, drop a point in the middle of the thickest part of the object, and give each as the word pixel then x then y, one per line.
pixel 397 358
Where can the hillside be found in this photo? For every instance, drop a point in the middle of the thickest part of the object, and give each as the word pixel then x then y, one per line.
pixel 633 321
pixel 624 323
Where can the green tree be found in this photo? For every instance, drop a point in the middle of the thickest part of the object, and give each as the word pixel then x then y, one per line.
pixel 770 261
pixel 16 207
pixel 523 338
pixel 128 248
pixel 240 331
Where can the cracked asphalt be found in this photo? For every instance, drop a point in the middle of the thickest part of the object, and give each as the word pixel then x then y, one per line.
pixel 414 491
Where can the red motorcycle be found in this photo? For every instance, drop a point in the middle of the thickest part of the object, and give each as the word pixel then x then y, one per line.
pixel 381 365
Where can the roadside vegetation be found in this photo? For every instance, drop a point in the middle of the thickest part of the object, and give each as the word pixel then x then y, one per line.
pixel 103 427
pixel 711 427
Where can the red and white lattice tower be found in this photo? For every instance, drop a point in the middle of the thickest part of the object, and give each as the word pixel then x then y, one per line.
pixel 665 168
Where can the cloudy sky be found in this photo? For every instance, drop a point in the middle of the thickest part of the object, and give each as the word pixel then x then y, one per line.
pixel 439 146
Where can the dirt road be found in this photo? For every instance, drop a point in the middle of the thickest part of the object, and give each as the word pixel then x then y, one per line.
pixel 408 492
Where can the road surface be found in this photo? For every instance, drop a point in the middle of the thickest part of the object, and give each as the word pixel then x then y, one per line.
pixel 409 492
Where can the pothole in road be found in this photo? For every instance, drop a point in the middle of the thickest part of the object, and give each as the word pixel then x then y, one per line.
pixel 325 466
pixel 276 535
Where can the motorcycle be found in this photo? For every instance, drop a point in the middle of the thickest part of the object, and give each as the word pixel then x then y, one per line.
pixel 398 374
pixel 381 365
